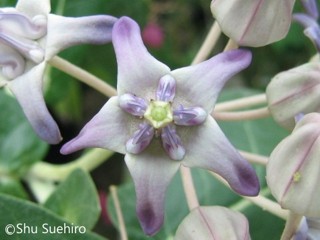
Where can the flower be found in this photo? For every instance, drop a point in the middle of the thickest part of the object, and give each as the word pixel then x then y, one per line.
pixel 29 37
pixel 309 21
pixel 293 168
pixel 213 222
pixel 161 119
pixel 253 23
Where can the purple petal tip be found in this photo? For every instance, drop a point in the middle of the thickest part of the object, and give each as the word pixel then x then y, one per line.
pixel 70 147
pixel 150 222
pixel 47 130
pixel 243 55
pixel 248 183
pixel 125 25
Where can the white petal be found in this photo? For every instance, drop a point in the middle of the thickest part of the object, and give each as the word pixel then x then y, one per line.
pixel 199 85
pixel 110 128
pixel 64 32
pixel 152 172
pixel 34 7
pixel 28 90
pixel 207 147
pixel 138 72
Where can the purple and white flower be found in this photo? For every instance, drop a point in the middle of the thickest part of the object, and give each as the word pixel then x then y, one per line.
pixel 309 21
pixel 161 119
pixel 29 37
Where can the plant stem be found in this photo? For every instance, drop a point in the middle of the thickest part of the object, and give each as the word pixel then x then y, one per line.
pixel 242 115
pixel 121 223
pixel 241 103
pixel 82 75
pixel 292 225
pixel 254 158
pixel 230 45
pixel 260 200
pixel 208 44
pixel 54 172
pixel 189 188
pixel 268 205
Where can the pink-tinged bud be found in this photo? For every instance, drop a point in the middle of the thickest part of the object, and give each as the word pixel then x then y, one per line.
pixel 293 92
pixel 213 223
pixel 153 35
pixel 293 172
pixel 253 23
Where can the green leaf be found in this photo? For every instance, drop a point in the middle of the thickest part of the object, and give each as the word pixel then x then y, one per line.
pixel 31 221
pixel 12 187
pixel 20 147
pixel 76 200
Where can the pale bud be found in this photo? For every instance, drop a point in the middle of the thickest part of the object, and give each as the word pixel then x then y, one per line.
pixel 253 23
pixel 293 172
pixel 213 222
pixel 293 92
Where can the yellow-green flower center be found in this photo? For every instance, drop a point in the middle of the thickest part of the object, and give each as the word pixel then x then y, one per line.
pixel 159 114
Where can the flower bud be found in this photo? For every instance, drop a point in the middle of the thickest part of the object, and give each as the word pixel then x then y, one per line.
pixel 294 91
pixel 253 23
pixel 213 223
pixel 293 172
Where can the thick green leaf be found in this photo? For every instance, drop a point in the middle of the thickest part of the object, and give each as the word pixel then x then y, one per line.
pixel 20 147
pixel 76 200
pixel 30 221
pixel 12 187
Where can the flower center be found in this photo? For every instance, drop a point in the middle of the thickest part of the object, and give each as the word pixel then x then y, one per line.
pixel 159 114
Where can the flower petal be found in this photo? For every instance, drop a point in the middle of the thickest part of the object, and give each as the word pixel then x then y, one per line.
pixel 311 8
pixel 28 90
pixel 34 7
pixel 110 128
pixel 208 77
pixel 152 172
pixel 138 71
pixel 166 89
pixel 11 62
pixel 189 116
pixel 64 32
pixel 314 34
pixel 132 104
pixel 140 139
pixel 210 149
pixel 304 20
pixel 171 143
